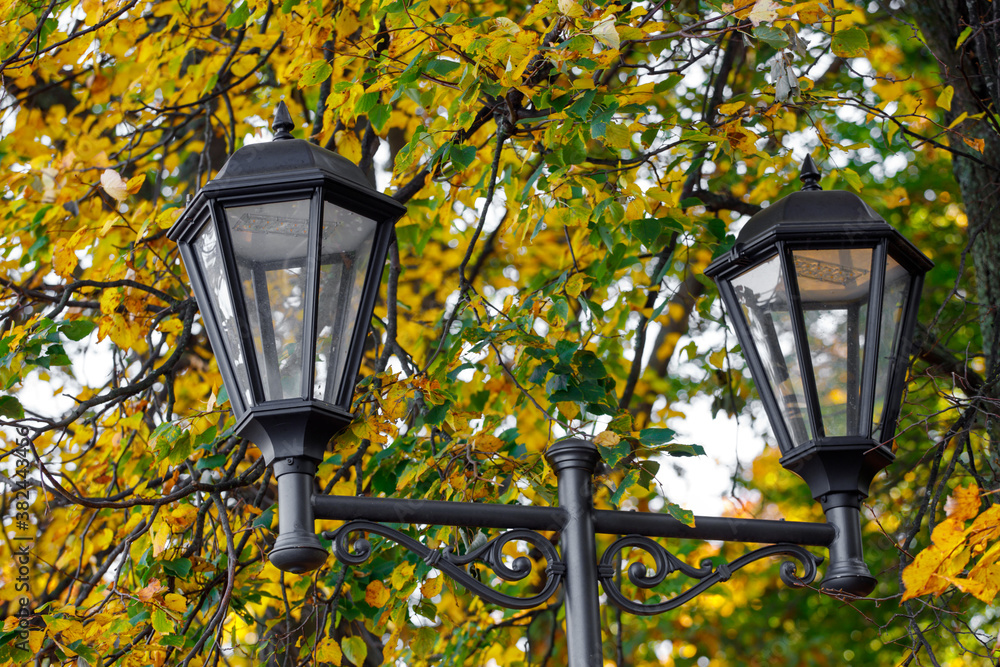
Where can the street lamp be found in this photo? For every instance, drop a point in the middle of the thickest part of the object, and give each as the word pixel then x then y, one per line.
pixel 285 250
pixel 823 294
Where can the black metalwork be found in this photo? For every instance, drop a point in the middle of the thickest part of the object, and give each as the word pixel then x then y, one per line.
pixel 455 566
pixel 797 235
pixel 799 268
pixel 666 563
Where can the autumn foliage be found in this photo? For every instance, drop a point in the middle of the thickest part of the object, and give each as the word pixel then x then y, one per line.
pixel 569 168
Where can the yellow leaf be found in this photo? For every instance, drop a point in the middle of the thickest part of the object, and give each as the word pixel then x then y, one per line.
pixel 717 358
pixel 328 650
pixel 607 439
pixel 918 574
pixel 618 136
pixel 575 285
pixel 570 8
pixel 64 260
pixel 160 537
pixel 810 12
pixel 376 594
pixel 963 504
pixel 488 443
pixel 92 8
pixel 135 183
pixel 507 26
pixel 944 99
pixel 569 409
pixel 174 602
pixel 146 594
pixel 28 21
pixel 431 588
pixel 978 144
pixel 402 576
pixel 730 108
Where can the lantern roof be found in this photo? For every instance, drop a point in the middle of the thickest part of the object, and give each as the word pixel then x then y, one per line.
pixel 814 216
pixel 286 154
pixel 810 205
pixel 274 168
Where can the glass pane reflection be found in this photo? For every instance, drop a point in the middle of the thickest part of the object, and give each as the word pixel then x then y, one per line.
pixel 833 287
pixel 763 298
pixel 345 254
pixel 210 264
pixel 895 292
pixel 270 243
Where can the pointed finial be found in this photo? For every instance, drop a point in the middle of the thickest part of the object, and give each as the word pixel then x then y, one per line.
pixel 282 123
pixel 810 174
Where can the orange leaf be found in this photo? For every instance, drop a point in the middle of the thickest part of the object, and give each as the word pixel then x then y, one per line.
pixel 963 504
pixel 376 594
pixel 146 594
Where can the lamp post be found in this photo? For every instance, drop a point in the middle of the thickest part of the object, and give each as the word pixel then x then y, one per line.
pixel 285 249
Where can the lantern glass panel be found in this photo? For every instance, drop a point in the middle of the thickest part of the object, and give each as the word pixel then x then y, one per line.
pixel 270 245
pixel 763 296
pixel 834 292
pixel 895 292
pixel 210 264
pixel 345 253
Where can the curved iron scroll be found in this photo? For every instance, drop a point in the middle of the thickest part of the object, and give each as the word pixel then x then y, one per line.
pixel 452 564
pixel 667 563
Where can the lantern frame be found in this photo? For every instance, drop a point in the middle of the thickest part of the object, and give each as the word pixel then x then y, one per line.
pixel 814 219
pixel 839 469
pixel 279 171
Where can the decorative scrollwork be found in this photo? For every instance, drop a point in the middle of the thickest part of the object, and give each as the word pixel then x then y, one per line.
pixel 667 563
pixel 453 565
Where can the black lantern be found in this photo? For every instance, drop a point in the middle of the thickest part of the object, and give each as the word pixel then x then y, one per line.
pixel 285 250
pixel 823 295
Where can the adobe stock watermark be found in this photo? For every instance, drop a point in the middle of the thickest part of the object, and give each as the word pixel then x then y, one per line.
pixel 23 536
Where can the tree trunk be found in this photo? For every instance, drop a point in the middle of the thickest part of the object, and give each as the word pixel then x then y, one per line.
pixel 973 70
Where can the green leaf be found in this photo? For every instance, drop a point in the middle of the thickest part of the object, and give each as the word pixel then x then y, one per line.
pixel 162 622
pixel 265 519
pixel 565 350
pixel 379 116
pixel 771 35
pixel 11 408
pixel 612 455
pixel 462 156
pixel 629 480
pixel 646 230
pixel 575 151
pixel 365 103
pixel 211 461
pixel 677 449
pixel 656 436
pixel 684 516
pixel 316 72
pixel 850 43
pixel 182 566
pixel 238 17
pixel 590 367
pixel 441 67
pixel 77 329
pixel 355 649
pixel 579 109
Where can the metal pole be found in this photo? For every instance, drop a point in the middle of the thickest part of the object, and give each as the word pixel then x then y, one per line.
pixel 573 462
pixel 726 529
pixel 437 512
